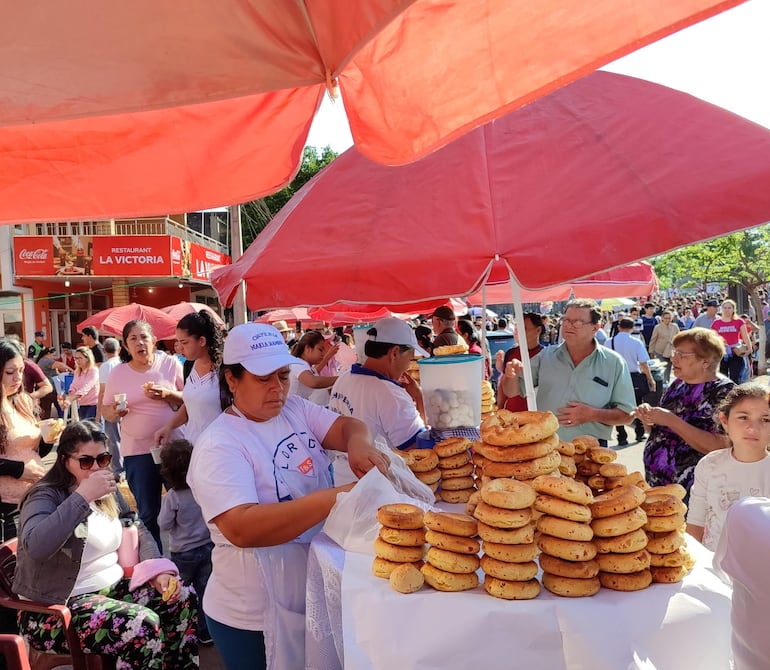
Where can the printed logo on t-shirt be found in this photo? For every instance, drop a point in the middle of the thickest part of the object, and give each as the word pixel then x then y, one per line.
pixel 293 453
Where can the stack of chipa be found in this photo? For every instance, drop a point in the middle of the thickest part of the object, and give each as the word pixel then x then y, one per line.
pixel 424 464
pixel 400 547
pixel 620 540
pixel 452 559
pixel 449 349
pixel 669 559
pixel 567 465
pixel 598 469
pixel 522 445
pixel 414 370
pixel 564 537
pixel 505 525
pixel 455 469
pixel 487 399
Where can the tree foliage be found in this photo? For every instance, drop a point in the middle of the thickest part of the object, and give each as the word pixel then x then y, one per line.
pixel 741 259
pixel 255 215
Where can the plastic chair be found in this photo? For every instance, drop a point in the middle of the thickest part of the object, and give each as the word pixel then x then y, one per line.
pixel 40 660
pixel 14 651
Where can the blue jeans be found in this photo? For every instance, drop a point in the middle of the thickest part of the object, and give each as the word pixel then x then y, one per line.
pixel 112 431
pixel 86 412
pixel 195 568
pixel 145 482
pixel 239 649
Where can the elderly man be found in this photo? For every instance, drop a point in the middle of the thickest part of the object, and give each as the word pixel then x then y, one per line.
pixel 705 319
pixel 637 359
pixel 443 322
pixel 380 393
pixel 586 385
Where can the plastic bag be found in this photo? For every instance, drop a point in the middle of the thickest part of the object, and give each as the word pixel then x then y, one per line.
pixel 352 522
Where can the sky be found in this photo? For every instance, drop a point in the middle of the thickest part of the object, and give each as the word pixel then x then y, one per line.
pixel 724 60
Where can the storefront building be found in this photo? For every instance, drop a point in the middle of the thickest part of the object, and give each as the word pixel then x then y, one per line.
pixel 55 275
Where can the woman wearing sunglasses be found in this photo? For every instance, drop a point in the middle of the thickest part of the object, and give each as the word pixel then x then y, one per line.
pixel 68 553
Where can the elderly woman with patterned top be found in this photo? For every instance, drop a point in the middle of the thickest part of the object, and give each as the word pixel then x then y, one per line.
pixel 148 379
pixel 683 427
pixel 262 477
pixel 68 552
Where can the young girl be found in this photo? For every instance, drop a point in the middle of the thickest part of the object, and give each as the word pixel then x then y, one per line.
pixel 181 517
pixel 313 353
pixel 724 476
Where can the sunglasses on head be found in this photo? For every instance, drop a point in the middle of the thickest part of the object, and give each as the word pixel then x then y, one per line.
pixel 87 462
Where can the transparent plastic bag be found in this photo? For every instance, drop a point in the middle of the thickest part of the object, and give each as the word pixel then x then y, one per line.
pixel 352 522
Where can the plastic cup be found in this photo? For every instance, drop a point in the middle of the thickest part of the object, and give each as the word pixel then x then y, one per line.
pixel 120 398
pixel 155 451
pixel 46 427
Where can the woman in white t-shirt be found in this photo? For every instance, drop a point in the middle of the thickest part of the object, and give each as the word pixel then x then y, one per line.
pixel 312 352
pixel 725 476
pixel 200 340
pixel 262 478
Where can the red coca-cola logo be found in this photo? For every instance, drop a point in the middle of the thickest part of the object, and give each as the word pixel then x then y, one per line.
pixel 33 254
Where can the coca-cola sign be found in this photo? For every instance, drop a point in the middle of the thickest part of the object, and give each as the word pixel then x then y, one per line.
pixel 33 255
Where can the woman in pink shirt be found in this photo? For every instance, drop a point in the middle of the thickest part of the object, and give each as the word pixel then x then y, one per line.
pixel 148 378
pixel 85 387
pixel 736 336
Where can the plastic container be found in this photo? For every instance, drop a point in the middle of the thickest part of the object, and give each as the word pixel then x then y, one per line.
pixel 451 390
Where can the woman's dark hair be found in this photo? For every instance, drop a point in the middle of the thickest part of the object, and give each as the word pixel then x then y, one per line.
pixel 174 463
pixel 74 435
pixel 202 324
pixel 310 339
pixel 423 333
pixel 20 400
pixel 225 395
pixel 124 355
pixel 467 328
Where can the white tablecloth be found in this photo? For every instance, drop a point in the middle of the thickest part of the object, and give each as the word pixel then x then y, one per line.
pixel 664 627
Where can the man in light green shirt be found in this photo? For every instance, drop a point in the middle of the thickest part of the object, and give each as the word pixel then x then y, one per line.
pixel 587 386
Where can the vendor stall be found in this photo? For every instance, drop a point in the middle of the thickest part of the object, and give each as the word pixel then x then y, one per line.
pixel 664 627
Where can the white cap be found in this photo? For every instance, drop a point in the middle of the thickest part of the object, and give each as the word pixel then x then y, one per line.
pixel 258 347
pixel 395 331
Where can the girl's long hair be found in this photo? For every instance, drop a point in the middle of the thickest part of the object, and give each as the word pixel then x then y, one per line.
pixel 202 324
pixel 21 401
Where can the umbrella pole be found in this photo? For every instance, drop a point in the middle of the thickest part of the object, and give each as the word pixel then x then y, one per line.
pixel 518 317
pixel 484 343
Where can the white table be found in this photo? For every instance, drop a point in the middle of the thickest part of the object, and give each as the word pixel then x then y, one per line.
pixel 665 627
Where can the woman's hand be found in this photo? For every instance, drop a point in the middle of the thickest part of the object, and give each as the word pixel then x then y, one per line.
pixel 97 485
pixel 169 586
pixel 499 361
pixel 362 457
pixel 651 416
pixel 161 435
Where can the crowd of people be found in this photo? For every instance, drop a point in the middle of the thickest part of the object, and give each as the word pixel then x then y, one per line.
pixel 253 434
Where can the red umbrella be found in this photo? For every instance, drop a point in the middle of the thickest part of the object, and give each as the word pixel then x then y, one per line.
pixel 113 319
pixel 291 316
pixel 336 317
pixel 600 173
pixel 200 103
pixel 184 308
pixel 634 279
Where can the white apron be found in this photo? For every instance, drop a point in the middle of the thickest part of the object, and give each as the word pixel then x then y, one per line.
pixel 284 575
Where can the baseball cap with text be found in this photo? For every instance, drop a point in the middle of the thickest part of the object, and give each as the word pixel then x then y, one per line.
pixel 258 347
pixel 392 330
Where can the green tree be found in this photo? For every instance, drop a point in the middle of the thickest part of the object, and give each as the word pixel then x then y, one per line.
pixel 255 215
pixel 742 259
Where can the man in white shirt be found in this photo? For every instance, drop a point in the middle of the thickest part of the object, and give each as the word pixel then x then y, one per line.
pixel 379 392
pixel 635 354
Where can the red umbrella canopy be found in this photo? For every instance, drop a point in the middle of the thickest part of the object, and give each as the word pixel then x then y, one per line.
pixel 184 308
pixel 199 103
pixel 291 316
pixel 113 319
pixel 632 279
pixel 605 171
pixel 336 317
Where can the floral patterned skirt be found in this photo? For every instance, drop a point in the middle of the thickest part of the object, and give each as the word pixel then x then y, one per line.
pixel 136 627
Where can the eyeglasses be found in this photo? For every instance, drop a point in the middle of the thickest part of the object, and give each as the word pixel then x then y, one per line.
pixel 87 462
pixel 675 353
pixel 575 323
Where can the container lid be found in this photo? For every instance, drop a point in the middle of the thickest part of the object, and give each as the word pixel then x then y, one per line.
pixel 451 358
